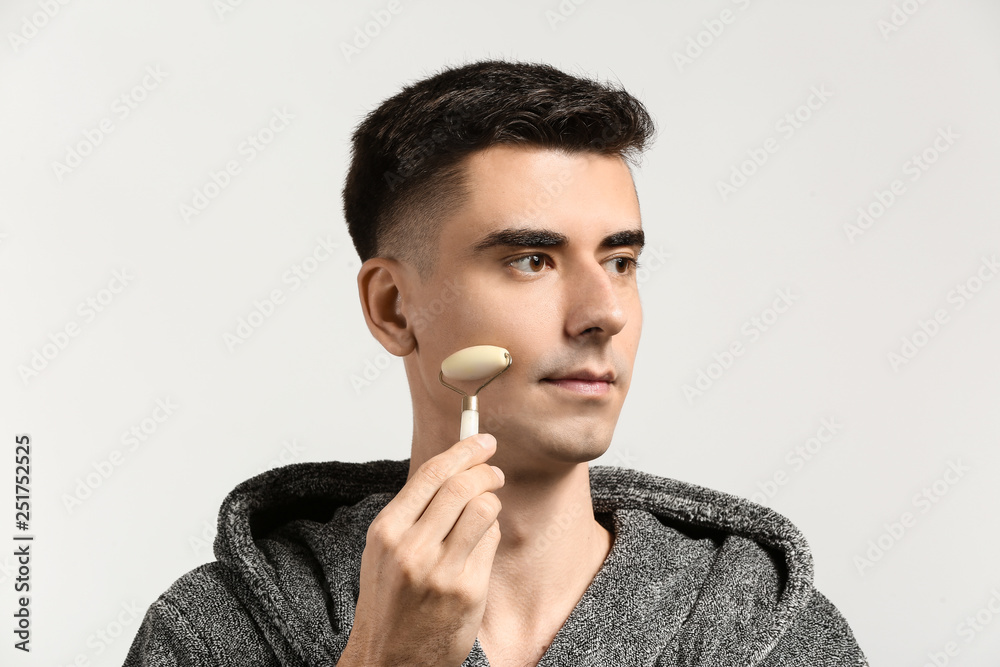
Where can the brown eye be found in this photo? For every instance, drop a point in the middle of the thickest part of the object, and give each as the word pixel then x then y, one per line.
pixel 624 265
pixel 529 263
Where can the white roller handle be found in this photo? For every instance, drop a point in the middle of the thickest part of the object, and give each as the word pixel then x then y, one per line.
pixel 470 423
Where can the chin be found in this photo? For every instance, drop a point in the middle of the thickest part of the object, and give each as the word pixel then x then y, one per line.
pixel 570 441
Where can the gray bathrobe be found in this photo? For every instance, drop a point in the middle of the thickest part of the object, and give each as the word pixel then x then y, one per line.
pixel 694 577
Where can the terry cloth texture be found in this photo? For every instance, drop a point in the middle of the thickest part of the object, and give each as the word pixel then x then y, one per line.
pixel 694 577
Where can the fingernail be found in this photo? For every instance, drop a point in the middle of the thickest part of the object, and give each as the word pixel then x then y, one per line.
pixel 486 440
pixel 499 473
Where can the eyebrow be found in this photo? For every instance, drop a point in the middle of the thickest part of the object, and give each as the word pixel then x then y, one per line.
pixel 521 237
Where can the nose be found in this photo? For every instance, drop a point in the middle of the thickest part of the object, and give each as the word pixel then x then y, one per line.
pixel 595 302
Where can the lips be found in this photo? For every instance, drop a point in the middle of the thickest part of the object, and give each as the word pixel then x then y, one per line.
pixel 584 375
pixel 582 388
pixel 583 382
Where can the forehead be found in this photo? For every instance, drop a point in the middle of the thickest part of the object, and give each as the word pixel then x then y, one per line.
pixel 584 196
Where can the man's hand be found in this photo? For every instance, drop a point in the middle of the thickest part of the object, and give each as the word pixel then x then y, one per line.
pixel 425 570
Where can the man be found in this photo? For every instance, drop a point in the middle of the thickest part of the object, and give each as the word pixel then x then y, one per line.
pixel 493 204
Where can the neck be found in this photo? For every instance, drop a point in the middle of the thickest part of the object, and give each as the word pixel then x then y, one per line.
pixel 550 537
pixel 551 547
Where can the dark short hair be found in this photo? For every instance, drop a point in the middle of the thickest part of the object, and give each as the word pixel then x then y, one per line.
pixel 406 169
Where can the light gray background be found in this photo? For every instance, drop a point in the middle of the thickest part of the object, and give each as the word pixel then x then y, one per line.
pixel 287 392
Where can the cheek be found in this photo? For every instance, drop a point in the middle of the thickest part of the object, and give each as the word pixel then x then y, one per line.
pixel 637 329
pixel 489 311
pixel 443 310
pixel 475 319
pixel 515 318
pixel 514 323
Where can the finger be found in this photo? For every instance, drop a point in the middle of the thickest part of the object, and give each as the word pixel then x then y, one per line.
pixel 477 528
pixel 416 495
pixel 479 563
pixel 450 502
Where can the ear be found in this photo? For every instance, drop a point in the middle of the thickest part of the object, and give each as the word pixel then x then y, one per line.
pixel 381 286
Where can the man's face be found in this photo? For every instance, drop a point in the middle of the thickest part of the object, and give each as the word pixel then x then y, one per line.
pixel 539 260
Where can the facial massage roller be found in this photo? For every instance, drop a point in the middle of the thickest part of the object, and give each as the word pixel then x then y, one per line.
pixel 470 364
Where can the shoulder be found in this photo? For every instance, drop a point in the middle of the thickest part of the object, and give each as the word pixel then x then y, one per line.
pixel 755 571
pixel 196 622
pixel 820 636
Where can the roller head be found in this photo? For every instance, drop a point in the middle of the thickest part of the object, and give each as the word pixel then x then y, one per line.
pixel 476 363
